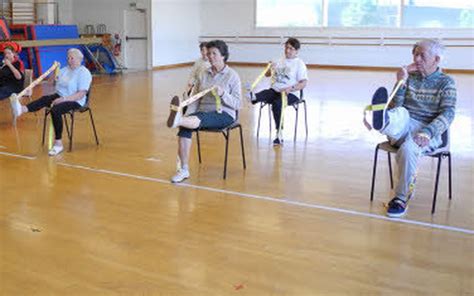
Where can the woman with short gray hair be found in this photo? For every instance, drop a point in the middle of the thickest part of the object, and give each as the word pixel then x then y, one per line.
pixel 72 86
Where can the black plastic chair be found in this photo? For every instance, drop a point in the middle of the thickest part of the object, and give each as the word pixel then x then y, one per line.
pixel 294 105
pixel 226 133
pixel 439 153
pixel 71 113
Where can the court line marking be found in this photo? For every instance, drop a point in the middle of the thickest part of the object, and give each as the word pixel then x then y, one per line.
pixel 18 156
pixel 3 147
pixel 277 200
pixel 259 197
pixel 154 159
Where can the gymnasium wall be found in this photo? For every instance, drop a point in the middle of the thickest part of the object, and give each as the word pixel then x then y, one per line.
pixel 108 12
pixel 176 29
pixel 65 11
pixel 232 19
pixel 174 24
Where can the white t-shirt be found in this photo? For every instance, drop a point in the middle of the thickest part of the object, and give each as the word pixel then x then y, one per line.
pixel 71 81
pixel 289 72
pixel 199 66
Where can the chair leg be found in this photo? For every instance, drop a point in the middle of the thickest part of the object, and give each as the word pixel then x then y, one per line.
pixel 242 147
pixel 450 185
pixel 67 127
pixel 198 146
pixel 305 118
pixel 270 121
pixel 296 123
pixel 93 127
pixel 226 136
pixel 436 185
pixel 390 169
pixel 71 136
pixel 258 122
pixel 44 127
pixel 374 171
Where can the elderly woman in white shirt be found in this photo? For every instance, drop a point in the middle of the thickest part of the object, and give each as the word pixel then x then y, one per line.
pixel 228 88
pixel 72 86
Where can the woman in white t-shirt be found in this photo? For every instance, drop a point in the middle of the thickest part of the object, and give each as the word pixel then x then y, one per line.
pixel 72 85
pixel 290 76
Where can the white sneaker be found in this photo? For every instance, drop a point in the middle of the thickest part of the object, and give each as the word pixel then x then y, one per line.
pixel 16 106
pixel 175 113
pixel 180 176
pixel 56 150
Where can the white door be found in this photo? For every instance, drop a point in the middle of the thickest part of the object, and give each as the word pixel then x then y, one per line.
pixel 135 49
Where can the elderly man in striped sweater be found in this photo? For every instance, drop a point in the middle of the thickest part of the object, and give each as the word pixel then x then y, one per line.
pixel 420 112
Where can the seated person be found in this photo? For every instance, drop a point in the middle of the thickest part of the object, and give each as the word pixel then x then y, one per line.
pixel 12 70
pixel 72 86
pixel 204 113
pixel 420 112
pixel 290 76
pixel 200 65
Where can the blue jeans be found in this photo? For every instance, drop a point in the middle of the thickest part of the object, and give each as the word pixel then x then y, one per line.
pixel 212 120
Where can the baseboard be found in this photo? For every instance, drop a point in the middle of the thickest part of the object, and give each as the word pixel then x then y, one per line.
pixel 173 66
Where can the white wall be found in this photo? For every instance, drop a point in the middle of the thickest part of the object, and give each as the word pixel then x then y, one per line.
pixel 65 12
pixel 174 25
pixel 175 31
pixel 108 12
pixel 236 18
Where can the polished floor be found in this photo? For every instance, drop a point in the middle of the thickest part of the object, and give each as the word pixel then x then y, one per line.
pixel 298 221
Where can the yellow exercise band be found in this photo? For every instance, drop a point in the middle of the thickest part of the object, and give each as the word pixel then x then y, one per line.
pixel 284 104
pixel 218 101
pixel 260 77
pixel 50 136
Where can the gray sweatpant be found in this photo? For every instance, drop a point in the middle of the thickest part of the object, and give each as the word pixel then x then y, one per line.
pixel 400 131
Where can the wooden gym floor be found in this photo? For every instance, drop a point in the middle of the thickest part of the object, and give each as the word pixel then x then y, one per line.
pixel 106 221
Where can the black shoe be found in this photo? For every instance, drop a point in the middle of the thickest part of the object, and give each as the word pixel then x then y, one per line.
pixel 277 142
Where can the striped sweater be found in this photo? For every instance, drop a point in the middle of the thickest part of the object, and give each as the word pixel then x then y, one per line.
pixel 430 100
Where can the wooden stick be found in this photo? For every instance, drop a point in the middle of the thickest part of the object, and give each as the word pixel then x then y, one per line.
pixel 54 42
pixel 395 90
pixel 38 80
pixel 196 97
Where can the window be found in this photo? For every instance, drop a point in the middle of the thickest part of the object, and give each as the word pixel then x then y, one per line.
pixel 365 13
pixel 284 13
pixel 438 14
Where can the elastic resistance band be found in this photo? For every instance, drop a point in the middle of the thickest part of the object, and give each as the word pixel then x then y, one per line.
pixel 284 104
pixel 260 77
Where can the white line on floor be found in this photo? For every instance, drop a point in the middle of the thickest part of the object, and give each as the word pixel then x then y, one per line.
pixel 272 199
pixel 18 155
pixel 153 159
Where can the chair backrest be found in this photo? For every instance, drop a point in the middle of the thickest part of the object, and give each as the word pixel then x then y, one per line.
pixel 444 147
pixel 88 95
pixel 445 139
pixel 28 75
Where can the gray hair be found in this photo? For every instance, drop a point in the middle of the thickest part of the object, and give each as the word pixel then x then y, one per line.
pixel 433 45
pixel 76 52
